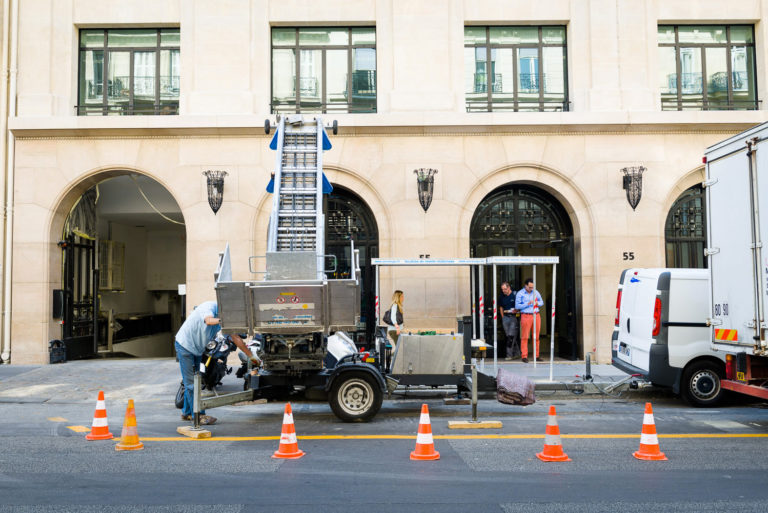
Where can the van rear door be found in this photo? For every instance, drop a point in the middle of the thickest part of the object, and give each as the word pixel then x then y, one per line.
pixel 638 298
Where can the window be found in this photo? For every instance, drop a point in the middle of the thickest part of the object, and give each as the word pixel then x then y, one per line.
pixel 707 67
pixel 128 72
pixel 324 69
pixel 515 69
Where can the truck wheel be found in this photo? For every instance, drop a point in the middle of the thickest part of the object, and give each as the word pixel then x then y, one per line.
pixel 700 384
pixel 355 397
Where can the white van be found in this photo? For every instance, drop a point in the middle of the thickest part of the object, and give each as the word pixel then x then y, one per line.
pixel 660 332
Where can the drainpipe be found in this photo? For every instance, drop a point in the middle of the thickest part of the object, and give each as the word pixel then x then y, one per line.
pixel 9 173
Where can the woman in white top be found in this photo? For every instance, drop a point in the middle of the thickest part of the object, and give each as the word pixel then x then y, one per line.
pixel 396 308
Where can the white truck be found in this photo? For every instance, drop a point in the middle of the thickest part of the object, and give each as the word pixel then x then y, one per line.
pixel 737 206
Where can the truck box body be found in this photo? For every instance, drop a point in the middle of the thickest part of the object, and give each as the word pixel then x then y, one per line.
pixel 737 222
pixel 662 328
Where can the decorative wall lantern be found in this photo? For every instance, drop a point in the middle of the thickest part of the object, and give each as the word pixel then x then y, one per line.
pixel 425 180
pixel 215 188
pixel 633 184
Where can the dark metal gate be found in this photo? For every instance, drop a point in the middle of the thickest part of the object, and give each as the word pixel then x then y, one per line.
pixel 80 297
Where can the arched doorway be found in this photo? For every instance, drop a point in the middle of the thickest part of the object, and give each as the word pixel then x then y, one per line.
pixel 685 231
pixel 123 251
pixel 522 220
pixel 348 218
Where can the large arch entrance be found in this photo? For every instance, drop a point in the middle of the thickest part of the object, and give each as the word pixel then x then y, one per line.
pixel 523 220
pixel 123 257
pixel 348 218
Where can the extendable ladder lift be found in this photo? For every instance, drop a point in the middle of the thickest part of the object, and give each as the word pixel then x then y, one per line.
pixel 297 224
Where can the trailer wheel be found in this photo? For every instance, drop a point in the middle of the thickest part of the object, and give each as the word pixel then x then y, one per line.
pixel 355 397
pixel 700 384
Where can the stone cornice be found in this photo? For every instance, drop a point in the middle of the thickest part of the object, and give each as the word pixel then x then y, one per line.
pixel 396 125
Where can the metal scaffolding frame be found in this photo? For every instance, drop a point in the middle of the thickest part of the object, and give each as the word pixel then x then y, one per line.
pixel 477 265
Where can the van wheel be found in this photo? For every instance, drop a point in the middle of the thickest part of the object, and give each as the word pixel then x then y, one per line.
pixel 701 384
pixel 355 397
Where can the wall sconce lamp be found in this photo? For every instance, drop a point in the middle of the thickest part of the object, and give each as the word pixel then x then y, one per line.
pixel 215 188
pixel 425 180
pixel 633 184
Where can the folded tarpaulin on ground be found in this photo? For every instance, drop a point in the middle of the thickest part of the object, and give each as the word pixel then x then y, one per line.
pixel 513 388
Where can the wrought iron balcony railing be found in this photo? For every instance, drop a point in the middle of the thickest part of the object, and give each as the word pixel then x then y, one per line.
pixel 710 104
pixel 290 107
pixel 518 106
pixel 126 109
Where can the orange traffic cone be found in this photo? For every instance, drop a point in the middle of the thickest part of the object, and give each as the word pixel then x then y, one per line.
pixel 553 449
pixel 425 446
pixel 649 442
pixel 129 440
pixel 289 447
pixel 100 426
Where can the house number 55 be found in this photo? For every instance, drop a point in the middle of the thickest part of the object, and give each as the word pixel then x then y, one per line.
pixel 628 255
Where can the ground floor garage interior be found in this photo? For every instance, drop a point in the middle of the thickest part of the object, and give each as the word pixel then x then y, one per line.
pixel 123 259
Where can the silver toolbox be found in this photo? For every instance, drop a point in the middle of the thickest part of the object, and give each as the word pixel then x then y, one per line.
pixel 429 354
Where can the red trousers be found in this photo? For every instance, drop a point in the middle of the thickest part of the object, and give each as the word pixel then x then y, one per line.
pixel 526 323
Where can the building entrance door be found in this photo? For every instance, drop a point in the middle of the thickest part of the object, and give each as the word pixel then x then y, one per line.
pixel 522 220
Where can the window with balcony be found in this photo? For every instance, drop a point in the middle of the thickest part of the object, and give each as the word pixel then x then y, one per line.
pixel 515 69
pixel 707 67
pixel 128 72
pixel 319 70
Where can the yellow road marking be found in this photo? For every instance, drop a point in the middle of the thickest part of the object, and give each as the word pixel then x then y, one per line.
pixel 78 429
pixel 443 437
pixel 57 419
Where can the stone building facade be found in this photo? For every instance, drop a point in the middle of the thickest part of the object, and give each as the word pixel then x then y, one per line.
pixel 547 145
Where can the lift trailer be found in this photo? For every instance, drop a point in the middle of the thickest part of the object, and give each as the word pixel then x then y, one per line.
pixel 302 316
pixel 296 308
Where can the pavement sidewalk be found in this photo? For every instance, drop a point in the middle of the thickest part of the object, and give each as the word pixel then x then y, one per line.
pixel 157 379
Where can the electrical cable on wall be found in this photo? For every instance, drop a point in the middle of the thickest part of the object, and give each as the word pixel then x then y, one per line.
pixel 151 205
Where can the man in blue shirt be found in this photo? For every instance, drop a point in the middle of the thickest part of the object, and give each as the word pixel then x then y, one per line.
pixel 201 326
pixel 509 320
pixel 528 301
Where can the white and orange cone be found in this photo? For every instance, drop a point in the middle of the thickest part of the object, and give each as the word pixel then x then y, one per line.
pixel 129 439
pixel 649 442
pixel 425 446
pixel 553 449
pixel 289 446
pixel 100 426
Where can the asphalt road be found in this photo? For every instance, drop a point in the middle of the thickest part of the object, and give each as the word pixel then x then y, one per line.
pixel 717 459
